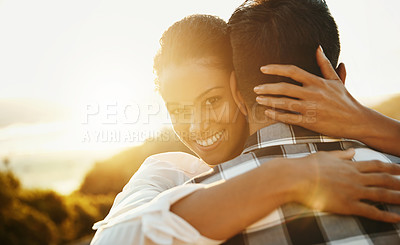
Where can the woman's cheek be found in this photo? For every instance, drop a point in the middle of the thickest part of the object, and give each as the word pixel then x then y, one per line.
pixel 182 130
pixel 234 113
pixel 222 114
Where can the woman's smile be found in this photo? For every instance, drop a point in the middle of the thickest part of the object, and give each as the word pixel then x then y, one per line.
pixel 210 143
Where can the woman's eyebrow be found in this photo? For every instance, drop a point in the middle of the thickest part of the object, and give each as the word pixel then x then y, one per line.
pixel 207 91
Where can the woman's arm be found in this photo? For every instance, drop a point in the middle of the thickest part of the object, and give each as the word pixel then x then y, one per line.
pixel 156 174
pixel 325 106
pixel 145 199
pixel 380 132
pixel 191 214
pixel 323 181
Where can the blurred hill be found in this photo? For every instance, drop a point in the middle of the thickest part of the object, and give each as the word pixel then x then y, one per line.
pixel 390 107
pixel 45 217
pixel 109 176
pixel 34 216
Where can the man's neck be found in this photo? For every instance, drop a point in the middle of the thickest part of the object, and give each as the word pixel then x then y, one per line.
pixel 254 127
pixel 257 119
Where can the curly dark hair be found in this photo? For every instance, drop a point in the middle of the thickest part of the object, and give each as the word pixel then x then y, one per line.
pixel 197 37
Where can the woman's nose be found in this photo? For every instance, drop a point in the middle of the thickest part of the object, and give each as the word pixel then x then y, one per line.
pixel 197 127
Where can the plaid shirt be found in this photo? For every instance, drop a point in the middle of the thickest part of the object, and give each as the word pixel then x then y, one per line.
pixel 293 223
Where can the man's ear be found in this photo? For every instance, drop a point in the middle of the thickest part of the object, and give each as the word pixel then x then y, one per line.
pixel 237 96
pixel 341 71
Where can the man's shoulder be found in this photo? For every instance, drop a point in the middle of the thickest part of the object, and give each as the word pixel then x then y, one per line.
pixel 228 169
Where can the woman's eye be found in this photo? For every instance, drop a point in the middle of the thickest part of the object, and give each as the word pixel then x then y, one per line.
pixel 181 111
pixel 176 111
pixel 212 100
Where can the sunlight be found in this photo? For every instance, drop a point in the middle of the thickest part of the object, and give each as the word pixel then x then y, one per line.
pixel 80 114
pixel 71 55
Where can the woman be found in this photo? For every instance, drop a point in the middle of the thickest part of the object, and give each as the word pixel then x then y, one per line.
pixel 193 68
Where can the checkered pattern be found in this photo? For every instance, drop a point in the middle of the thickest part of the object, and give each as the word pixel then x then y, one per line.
pixel 293 223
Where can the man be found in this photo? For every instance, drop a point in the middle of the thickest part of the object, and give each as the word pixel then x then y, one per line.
pixel 289 32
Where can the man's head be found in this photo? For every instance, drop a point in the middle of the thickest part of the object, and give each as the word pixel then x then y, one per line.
pixel 266 32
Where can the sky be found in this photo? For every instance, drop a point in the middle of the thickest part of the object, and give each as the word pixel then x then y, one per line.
pixel 66 65
pixel 57 58
pixel 69 51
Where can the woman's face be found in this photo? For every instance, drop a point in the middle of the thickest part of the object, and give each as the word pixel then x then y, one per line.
pixel 203 112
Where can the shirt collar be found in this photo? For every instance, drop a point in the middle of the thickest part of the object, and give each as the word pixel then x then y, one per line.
pixel 283 134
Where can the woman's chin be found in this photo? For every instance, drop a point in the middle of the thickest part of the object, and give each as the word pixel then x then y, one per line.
pixel 212 161
pixel 214 158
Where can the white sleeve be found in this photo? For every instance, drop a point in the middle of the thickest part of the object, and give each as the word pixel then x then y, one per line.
pixel 140 213
pixel 153 223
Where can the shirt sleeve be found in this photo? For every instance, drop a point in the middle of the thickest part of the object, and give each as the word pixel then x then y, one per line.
pixel 153 223
pixel 141 212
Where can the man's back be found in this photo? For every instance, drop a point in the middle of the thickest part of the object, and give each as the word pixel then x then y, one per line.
pixel 293 223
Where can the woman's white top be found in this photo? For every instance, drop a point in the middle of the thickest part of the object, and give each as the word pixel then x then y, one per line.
pixel 141 212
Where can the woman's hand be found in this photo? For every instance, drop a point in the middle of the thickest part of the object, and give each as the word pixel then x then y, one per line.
pixel 324 105
pixel 333 183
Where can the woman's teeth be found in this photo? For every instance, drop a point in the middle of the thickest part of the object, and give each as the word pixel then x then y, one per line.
pixel 211 140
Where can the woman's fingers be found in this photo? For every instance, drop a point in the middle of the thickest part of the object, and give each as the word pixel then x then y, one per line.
pixel 292 72
pixel 289 118
pixel 345 155
pixel 371 212
pixel 282 103
pixel 303 76
pixel 283 89
pixel 376 166
pixel 382 180
pixel 325 65
pixel 380 194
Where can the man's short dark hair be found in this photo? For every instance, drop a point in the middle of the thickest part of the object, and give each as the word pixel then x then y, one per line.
pixel 279 32
pixel 194 38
